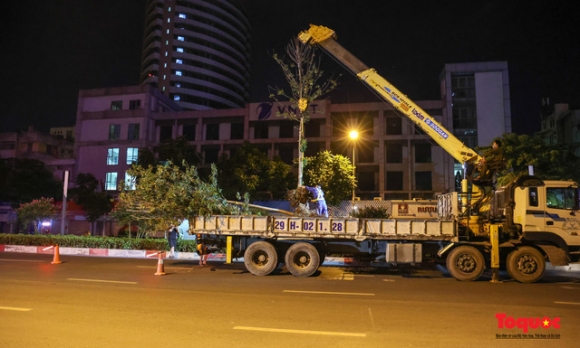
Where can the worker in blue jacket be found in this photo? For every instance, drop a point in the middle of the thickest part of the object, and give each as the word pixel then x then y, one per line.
pixel 318 194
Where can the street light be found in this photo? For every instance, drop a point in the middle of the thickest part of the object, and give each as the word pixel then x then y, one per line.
pixel 353 135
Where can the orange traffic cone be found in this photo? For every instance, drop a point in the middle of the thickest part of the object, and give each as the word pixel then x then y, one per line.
pixel 160 268
pixel 56 259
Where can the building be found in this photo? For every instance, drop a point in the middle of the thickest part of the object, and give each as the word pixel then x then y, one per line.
pixel 197 52
pixel 560 125
pixel 477 102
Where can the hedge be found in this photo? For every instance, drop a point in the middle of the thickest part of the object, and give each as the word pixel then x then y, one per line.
pixel 96 242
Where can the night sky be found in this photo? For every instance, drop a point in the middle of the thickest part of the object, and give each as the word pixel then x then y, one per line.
pixel 51 49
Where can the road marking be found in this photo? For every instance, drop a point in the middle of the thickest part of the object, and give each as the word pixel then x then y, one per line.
pixel 302 332
pixel 101 281
pixel 22 260
pixel 16 309
pixel 388 280
pixel 330 293
pixel 572 303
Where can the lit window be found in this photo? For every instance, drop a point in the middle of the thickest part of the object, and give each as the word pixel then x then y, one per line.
pixel 182 15
pixel 178 73
pixel 180 49
pixel 167 31
pixel 165 65
pixel 168 20
pixel 179 61
pixel 176 97
pixel 129 181
pixel 164 77
pixel 113 156
pixel 178 85
pixel 180 38
pixel 111 181
pixel 116 105
pixel 166 42
pixel 169 9
pixel 165 53
pixel 163 89
pixel 132 154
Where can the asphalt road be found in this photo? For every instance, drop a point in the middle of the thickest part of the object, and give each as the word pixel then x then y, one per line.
pixel 108 302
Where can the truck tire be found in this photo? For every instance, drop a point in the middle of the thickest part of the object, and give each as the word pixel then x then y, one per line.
pixel 465 263
pixel 302 259
pixel 261 258
pixel 526 264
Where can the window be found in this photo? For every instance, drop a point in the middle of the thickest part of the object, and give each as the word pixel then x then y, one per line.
pixel 111 181
pixel 177 97
pixel 179 49
pixel 117 105
pixel 261 131
pixel 560 198
pixel 135 104
pixel 129 181
pixel 114 132
pixel 422 153
pixel 212 131
pixel 132 155
pixel 179 61
pixel 312 130
pixel 286 153
pixel 189 132
pixel 113 156
pixel 286 129
pixel 394 153
pixel 165 133
pixel 394 181
pixel 180 38
pixel 133 133
pixel 533 196
pixel 237 130
pixel 178 73
pixel 211 155
pixel 182 15
pixel 423 181
pixel 366 181
pixel 394 126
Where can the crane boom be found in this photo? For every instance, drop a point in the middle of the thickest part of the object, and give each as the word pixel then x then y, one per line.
pixel 325 38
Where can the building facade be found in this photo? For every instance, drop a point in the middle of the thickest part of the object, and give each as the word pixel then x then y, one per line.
pixel 560 125
pixel 197 52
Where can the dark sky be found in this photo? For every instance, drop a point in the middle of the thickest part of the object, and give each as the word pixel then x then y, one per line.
pixel 53 48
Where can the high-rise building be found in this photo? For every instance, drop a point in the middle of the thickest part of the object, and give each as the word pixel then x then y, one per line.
pixel 197 52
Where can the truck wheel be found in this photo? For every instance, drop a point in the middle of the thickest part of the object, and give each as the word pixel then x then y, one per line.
pixel 526 264
pixel 261 258
pixel 302 259
pixel 465 263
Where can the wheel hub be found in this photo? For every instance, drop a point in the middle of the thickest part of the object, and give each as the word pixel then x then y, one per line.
pixel 466 263
pixel 527 264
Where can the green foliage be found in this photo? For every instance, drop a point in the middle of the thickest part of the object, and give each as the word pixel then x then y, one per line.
pixel 549 161
pixel 23 180
pixel 71 241
pixel 249 170
pixel 334 173
pixel 36 211
pixel 167 194
pixel 370 213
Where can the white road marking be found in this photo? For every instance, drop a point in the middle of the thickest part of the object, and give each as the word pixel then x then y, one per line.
pixel 330 293
pixel 16 309
pixel 572 303
pixel 302 332
pixel 100 281
pixel 388 280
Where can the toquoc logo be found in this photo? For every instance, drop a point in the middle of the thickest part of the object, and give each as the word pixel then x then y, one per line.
pixel 503 321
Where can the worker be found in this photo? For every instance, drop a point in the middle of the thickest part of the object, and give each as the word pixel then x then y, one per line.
pixel 491 162
pixel 318 194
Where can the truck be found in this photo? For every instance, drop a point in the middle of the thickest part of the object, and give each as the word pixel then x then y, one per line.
pixel 517 227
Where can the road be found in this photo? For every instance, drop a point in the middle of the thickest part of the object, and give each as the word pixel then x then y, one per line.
pixel 109 302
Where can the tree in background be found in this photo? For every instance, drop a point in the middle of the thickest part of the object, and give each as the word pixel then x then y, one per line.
pixel 94 200
pixel 36 211
pixel 302 73
pixel 249 170
pixel 23 180
pixel 334 173
pixel 549 161
pixel 177 151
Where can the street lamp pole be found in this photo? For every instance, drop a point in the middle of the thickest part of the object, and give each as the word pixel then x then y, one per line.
pixel 353 135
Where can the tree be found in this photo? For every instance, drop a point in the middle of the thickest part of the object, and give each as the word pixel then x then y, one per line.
pixel 36 211
pixel 89 194
pixel 302 73
pixel 176 151
pixel 249 170
pixel 334 173
pixel 167 194
pixel 549 161
pixel 24 179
